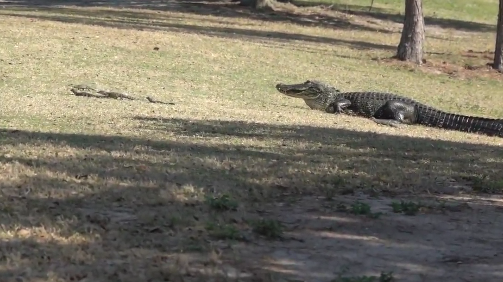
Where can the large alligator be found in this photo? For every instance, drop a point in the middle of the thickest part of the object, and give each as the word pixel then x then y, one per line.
pixel 386 108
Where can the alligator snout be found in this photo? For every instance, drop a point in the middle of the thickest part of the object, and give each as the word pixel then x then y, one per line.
pixel 280 87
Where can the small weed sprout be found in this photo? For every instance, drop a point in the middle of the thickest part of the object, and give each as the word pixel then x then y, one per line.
pixel 269 228
pixel 222 203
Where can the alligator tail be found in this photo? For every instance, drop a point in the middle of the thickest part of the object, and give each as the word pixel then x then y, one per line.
pixel 487 126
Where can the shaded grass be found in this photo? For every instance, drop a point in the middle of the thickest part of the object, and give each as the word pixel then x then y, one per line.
pixel 153 188
pixel 117 189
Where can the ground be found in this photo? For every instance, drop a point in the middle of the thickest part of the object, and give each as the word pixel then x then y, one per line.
pixel 236 182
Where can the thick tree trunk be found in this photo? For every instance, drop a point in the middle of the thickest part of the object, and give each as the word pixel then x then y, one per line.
pixel 258 4
pixel 498 51
pixel 264 4
pixel 412 40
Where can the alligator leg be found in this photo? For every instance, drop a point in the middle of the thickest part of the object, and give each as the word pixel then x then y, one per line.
pixel 338 106
pixel 395 113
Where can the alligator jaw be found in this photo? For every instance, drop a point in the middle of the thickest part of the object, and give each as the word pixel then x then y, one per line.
pixel 299 90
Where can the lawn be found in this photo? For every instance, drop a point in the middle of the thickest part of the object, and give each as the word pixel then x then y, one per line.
pixel 460 12
pixel 235 181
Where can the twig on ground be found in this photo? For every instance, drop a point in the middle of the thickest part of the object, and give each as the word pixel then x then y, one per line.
pixel 84 90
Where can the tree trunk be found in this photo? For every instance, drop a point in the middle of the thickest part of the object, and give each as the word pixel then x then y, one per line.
pixel 412 40
pixel 264 4
pixel 258 4
pixel 498 51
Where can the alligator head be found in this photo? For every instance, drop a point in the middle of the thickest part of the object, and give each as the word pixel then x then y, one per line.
pixel 311 89
pixel 314 93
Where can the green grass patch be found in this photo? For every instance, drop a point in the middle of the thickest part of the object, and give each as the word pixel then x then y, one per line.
pixel 459 10
pixel 406 207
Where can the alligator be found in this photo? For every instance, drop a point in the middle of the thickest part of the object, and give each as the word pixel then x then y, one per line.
pixel 386 108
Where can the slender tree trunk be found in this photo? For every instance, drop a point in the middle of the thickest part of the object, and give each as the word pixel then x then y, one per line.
pixel 498 51
pixel 412 40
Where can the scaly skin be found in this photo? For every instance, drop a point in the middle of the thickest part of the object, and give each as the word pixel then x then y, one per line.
pixel 386 108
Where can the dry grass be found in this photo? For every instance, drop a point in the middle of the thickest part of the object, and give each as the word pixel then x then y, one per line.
pixel 106 190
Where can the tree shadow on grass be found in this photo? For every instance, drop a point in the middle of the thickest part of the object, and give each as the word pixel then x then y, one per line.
pixel 213 8
pixel 226 9
pixel 132 204
pixel 388 15
pixel 130 20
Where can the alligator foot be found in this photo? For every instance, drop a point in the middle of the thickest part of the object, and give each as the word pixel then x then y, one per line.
pixel 389 122
pixel 338 106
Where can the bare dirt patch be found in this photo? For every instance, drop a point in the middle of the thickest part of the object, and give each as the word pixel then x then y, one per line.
pixel 466 65
pixel 442 243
